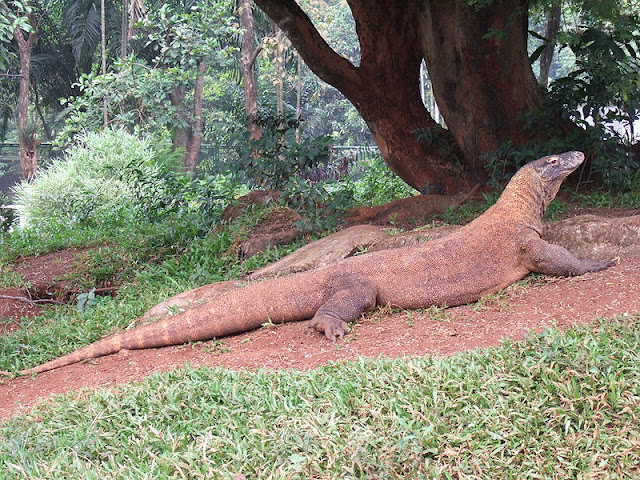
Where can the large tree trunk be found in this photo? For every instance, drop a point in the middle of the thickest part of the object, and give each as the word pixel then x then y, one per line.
pixel 384 88
pixel 247 64
pixel 28 140
pixel 483 83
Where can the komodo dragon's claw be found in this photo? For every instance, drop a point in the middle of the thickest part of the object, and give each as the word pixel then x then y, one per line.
pixel 333 328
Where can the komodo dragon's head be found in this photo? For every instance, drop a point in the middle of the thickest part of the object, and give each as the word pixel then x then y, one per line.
pixel 552 170
pixel 535 185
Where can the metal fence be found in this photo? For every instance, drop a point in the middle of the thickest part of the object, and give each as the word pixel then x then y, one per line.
pixel 213 159
pixel 9 166
pixel 220 158
pixel 10 171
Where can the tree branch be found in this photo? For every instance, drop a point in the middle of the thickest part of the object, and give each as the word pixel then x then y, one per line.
pixel 29 301
pixel 325 62
pixel 254 57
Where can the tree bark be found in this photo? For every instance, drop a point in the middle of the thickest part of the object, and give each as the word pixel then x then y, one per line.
pixel 384 88
pixel 279 61
pixel 299 97
pixel 180 134
pixel 45 125
pixel 188 137
pixel 4 126
pixel 247 65
pixel 28 142
pixel 551 31
pixel 482 80
pixel 483 83
pixel 103 57
pixel 124 29
pixel 194 140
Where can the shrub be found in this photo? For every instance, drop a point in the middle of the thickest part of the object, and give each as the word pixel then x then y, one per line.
pixel 106 175
pixel 7 215
pixel 378 184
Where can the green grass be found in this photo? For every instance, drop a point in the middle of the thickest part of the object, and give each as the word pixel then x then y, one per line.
pixel 558 406
pixel 608 200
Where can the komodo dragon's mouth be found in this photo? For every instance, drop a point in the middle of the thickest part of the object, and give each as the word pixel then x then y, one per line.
pixel 573 161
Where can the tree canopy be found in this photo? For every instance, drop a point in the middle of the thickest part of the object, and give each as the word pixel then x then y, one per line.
pixel 476 53
pixel 512 79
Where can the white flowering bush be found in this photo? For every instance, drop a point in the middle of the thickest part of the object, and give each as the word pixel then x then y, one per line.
pixel 104 176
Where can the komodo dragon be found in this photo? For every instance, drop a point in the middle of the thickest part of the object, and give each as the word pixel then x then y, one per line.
pixel 496 249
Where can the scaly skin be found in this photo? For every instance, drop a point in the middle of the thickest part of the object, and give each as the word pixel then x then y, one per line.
pixel 498 248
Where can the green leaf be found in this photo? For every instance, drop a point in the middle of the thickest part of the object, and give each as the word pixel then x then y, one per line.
pixel 536 53
pixel 535 34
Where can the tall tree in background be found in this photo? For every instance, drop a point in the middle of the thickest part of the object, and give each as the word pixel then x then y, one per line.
pixel 482 79
pixel 25 32
pixel 187 44
pixel 478 63
pixel 83 20
pixel 248 55
pixel 103 59
pixel 551 32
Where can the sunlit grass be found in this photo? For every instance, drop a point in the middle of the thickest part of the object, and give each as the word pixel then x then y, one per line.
pixel 558 406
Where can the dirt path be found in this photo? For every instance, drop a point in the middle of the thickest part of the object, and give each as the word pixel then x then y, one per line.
pixel 558 302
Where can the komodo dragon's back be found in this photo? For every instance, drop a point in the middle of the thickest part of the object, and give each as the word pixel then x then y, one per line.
pixel 498 248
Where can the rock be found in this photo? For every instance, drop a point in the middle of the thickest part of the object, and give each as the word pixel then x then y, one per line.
pixel 323 252
pixel 242 204
pixel 279 228
pixel 600 238
pixel 416 210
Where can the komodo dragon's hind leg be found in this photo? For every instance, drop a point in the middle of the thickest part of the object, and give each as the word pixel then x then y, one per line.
pixel 350 296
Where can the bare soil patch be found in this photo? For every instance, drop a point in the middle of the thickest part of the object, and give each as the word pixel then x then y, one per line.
pixel 43 279
pixel 519 310
pixel 14 306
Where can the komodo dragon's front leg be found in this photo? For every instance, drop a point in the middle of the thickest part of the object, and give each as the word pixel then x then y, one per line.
pixel 540 256
pixel 349 296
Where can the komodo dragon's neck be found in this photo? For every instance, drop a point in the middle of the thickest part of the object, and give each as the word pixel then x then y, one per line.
pixel 523 201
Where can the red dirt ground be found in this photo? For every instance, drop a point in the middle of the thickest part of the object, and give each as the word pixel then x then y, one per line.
pixel 558 302
pixel 43 281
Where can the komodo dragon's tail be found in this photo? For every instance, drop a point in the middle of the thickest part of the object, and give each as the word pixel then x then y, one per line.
pixel 158 334
pixel 238 311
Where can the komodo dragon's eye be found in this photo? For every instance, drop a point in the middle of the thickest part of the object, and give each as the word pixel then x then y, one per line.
pixel 553 161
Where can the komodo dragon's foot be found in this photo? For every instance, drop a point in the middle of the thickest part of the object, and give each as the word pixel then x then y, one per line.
pixel 333 328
